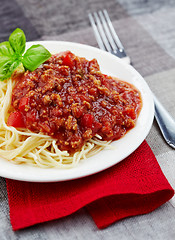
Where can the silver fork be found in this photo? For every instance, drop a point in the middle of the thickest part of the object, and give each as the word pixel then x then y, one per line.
pixel 108 40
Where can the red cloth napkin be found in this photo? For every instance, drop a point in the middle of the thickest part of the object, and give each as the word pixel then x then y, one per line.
pixel 134 186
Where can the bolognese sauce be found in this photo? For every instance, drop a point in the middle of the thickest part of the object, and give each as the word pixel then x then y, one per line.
pixel 69 99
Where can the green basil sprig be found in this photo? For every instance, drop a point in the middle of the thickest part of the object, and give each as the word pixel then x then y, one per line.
pixel 12 54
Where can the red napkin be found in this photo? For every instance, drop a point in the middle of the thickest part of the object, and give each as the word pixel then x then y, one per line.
pixel 134 186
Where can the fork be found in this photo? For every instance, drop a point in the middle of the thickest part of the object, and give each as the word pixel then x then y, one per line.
pixel 109 41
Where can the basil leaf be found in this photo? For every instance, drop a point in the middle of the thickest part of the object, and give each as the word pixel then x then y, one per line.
pixel 3 59
pixel 7 67
pixel 11 54
pixel 6 49
pixel 18 41
pixel 35 56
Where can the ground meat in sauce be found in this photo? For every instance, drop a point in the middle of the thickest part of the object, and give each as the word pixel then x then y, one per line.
pixel 69 99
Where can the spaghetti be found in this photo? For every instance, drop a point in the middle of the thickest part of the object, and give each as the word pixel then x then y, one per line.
pixel 99 124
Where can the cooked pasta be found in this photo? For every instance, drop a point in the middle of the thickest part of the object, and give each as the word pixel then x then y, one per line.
pixel 64 111
pixel 24 146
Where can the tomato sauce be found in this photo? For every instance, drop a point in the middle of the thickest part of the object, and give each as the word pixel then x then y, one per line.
pixel 69 99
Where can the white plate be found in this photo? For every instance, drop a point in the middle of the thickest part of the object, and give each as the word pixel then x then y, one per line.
pixel 110 65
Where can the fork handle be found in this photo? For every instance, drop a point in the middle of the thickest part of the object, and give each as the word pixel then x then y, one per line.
pixel 165 122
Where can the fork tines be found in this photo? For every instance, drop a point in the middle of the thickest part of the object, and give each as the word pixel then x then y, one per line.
pixel 105 34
